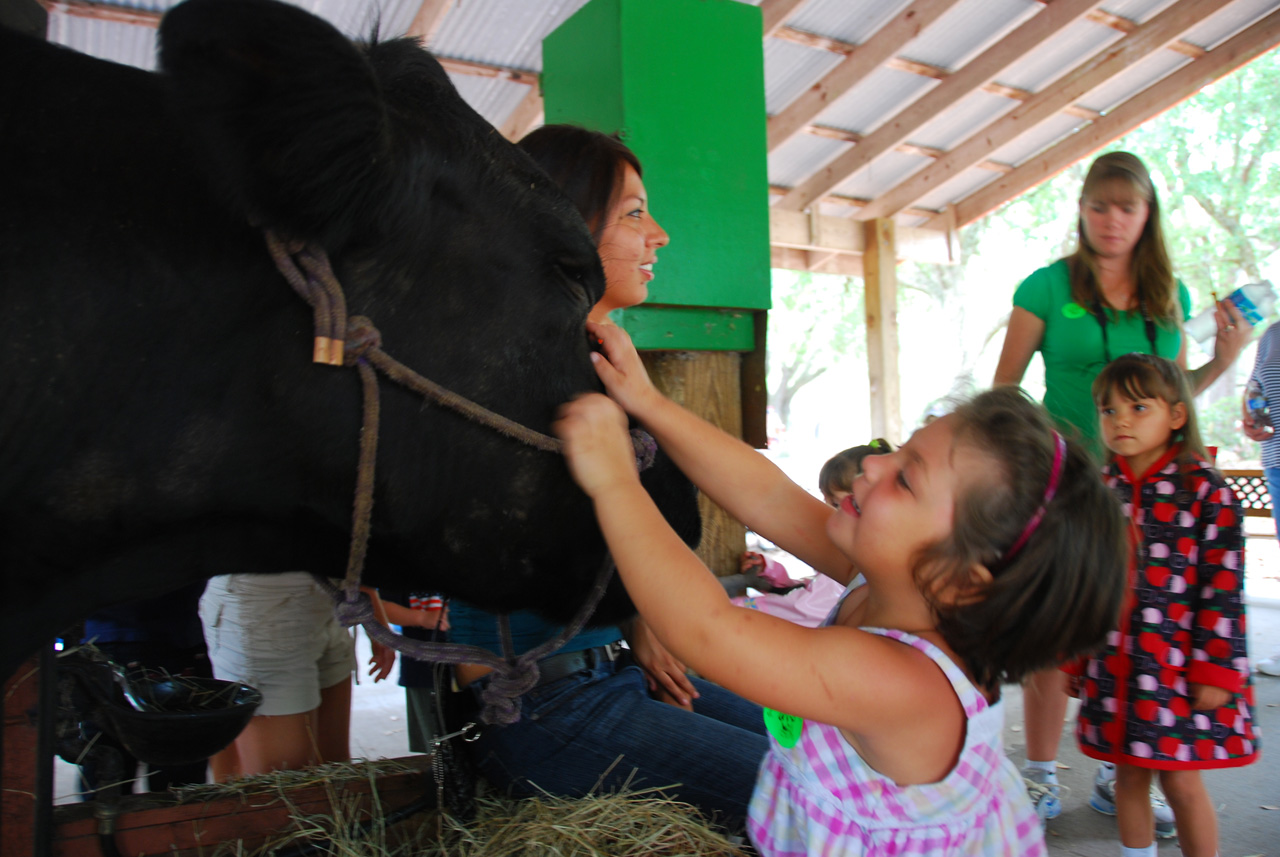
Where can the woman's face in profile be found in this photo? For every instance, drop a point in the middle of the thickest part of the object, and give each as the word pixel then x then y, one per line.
pixel 1114 216
pixel 629 242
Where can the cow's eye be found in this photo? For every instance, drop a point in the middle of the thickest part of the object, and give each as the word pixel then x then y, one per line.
pixel 578 273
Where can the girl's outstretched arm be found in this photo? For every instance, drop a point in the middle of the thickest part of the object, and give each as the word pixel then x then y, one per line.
pixel 736 477
pixel 860 682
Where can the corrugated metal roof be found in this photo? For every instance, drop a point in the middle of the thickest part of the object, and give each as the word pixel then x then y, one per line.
pixel 1048 62
pixel 967 29
pixel 790 69
pixel 864 107
pixel 815 37
pixel 852 21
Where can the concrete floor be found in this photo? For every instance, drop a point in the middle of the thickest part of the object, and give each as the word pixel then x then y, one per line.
pixel 1247 827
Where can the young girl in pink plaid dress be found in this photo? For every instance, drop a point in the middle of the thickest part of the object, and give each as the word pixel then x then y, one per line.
pixel 986 548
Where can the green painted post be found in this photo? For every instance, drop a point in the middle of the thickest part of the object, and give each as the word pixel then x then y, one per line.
pixel 683 82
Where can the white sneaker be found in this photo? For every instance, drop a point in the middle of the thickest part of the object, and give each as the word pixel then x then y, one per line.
pixel 1269 666
pixel 1045 796
pixel 1103 800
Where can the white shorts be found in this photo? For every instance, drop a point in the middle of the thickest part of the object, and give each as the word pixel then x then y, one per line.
pixel 276 632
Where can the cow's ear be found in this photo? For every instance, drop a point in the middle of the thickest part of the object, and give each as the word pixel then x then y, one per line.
pixel 287 110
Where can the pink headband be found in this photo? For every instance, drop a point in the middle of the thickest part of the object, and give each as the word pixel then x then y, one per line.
pixel 1059 455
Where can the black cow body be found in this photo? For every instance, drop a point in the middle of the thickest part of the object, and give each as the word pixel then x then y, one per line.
pixel 160 417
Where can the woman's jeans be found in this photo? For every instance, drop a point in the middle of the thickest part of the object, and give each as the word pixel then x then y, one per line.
pixel 598 731
pixel 1272 475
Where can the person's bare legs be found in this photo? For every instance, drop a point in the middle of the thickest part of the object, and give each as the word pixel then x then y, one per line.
pixel 277 742
pixel 333 722
pixel 225 764
pixel 1133 806
pixel 1044 708
pixel 1193 811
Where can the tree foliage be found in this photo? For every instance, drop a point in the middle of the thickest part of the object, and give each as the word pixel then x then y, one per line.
pixel 816 321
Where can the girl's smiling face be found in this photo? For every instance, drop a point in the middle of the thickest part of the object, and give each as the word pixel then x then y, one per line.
pixel 629 242
pixel 905 501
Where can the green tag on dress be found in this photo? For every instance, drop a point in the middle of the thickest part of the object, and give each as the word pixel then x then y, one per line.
pixel 786 728
pixel 1074 310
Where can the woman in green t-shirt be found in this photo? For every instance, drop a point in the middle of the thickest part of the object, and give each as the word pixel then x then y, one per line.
pixel 1115 294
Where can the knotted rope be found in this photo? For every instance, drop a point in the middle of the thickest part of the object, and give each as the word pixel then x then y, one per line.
pixel 356 342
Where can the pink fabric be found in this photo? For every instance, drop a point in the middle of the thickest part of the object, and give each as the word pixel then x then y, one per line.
pixel 820 798
pixel 808 605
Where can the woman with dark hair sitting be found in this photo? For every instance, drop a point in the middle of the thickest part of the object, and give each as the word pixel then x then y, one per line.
pixel 602 717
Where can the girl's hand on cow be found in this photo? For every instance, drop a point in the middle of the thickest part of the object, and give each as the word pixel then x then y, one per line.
pixel 596 443
pixel 621 369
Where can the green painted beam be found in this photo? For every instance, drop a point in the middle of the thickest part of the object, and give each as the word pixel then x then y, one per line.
pixel 677 328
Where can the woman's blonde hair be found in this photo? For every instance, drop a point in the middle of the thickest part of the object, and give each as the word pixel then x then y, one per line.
pixel 1151 269
pixel 1146 376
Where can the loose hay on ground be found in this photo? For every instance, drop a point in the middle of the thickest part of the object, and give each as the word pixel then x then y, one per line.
pixel 628 824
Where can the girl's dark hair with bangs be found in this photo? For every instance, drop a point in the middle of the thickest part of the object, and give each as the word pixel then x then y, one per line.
pixel 1145 376
pixel 1057 595
pixel 587 165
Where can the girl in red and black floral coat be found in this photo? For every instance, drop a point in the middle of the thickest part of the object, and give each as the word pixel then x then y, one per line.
pixel 1171 690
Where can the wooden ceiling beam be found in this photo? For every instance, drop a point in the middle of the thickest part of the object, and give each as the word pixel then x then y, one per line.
pixel 428 18
pixel 1215 64
pixel 864 59
pixel 906 148
pixel 102 12
pixel 481 69
pixel 776 13
pixel 939 73
pixel 856 202
pixel 527 116
pixel 826 43
pixel 974 75
pixel 1101 67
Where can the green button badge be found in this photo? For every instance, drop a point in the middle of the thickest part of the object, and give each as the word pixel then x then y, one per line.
pixel 1074 310
pixel 786 728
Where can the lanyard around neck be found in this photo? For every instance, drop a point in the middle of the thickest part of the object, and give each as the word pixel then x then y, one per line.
pixel 1148 324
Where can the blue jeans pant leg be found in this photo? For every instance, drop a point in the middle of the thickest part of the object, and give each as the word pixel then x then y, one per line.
pixel 1272 475
pixel 599 731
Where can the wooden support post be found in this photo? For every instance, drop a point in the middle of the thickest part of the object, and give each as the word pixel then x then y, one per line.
pixel 26 763
pixel 880 275
pixel 706 382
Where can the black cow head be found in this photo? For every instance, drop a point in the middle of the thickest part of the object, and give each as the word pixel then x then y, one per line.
pixel 162 420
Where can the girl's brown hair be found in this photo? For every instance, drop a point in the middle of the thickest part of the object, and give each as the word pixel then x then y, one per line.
pixel 1146 376
pixel 839 471
pixel 1056 595
pixel 1151 269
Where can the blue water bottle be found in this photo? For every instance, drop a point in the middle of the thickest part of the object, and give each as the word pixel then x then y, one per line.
pixel 1256 401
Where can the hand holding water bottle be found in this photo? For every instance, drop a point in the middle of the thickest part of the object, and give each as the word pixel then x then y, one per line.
pixel 1256 423
pixel 1225 321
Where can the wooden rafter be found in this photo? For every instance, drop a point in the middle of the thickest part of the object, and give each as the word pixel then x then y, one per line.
pixel 102 12
pixel 1159 97
pixel 864 59
pixel 1157 33
pixel 427 20
pixel 776 12
pixel 527 116
pixel 976 74
pixel 906 148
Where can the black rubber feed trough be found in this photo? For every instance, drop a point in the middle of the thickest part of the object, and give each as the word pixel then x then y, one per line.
pixel 185 719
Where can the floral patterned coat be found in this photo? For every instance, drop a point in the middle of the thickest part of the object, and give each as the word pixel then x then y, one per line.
pixel 1183 623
